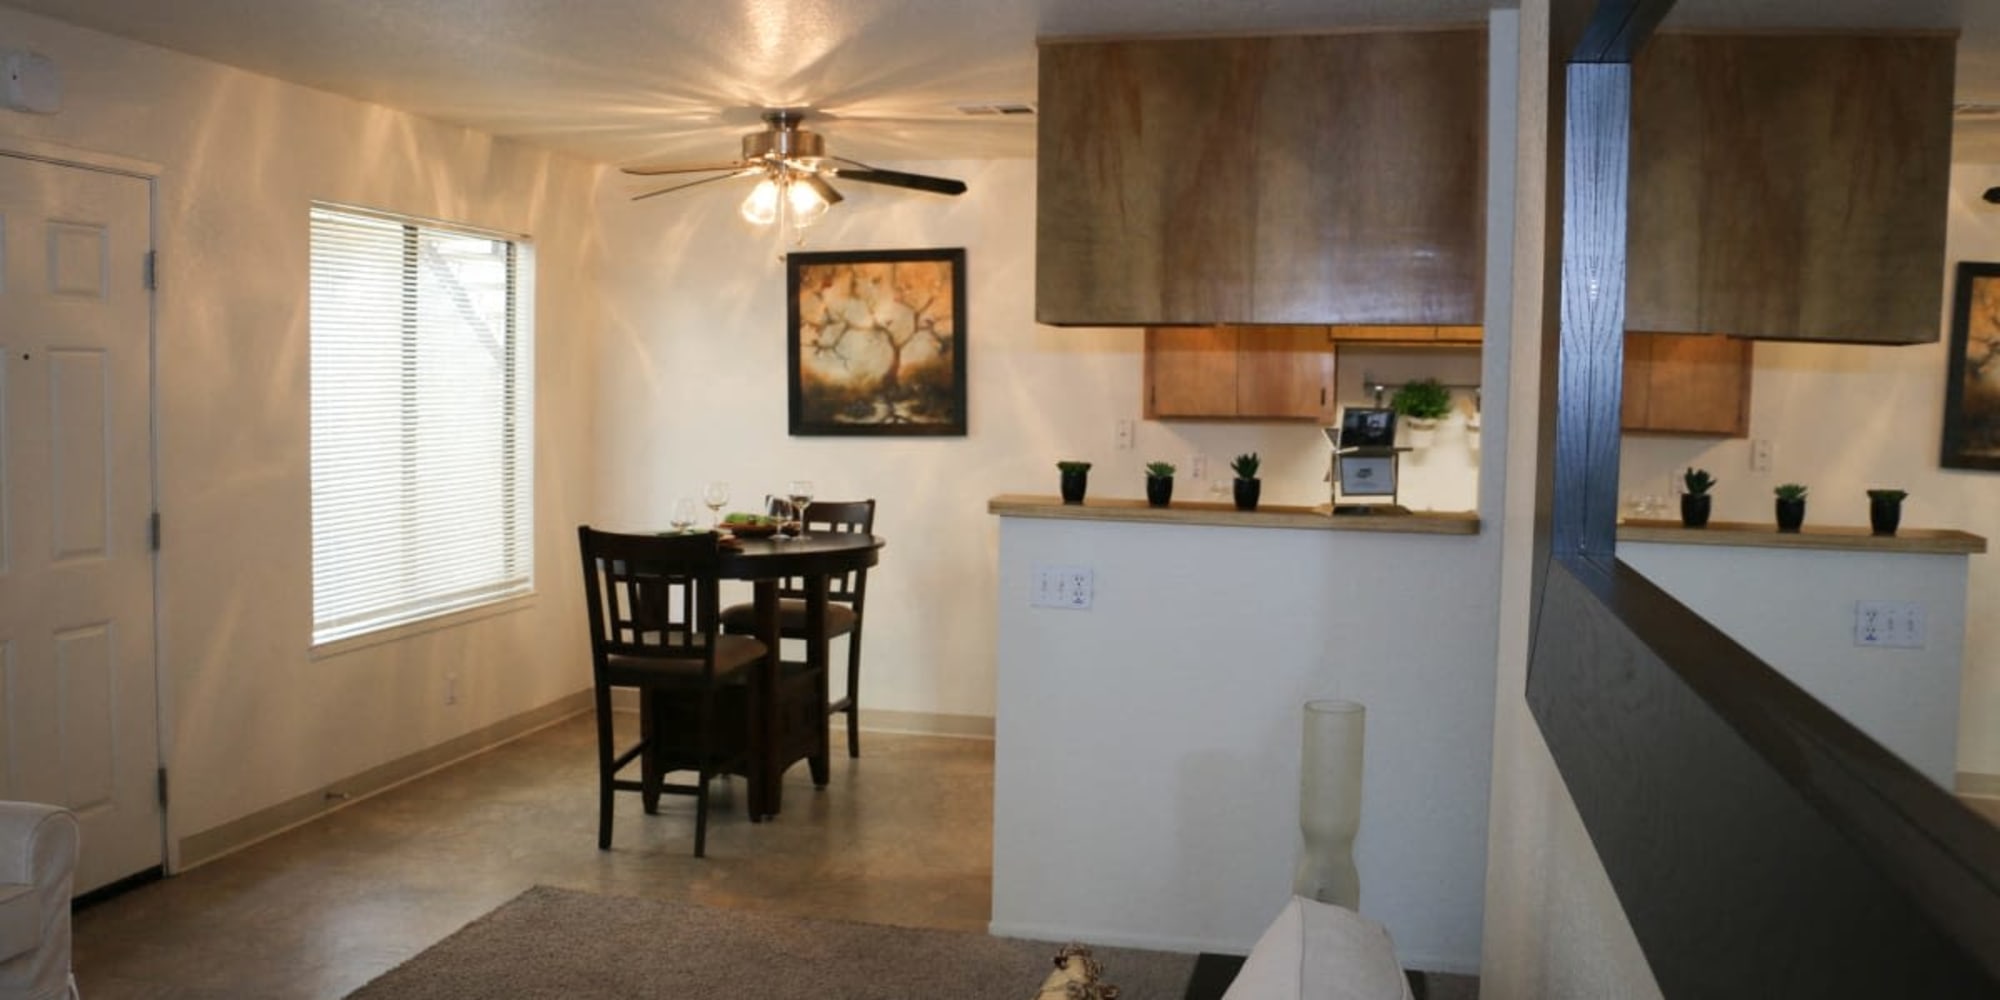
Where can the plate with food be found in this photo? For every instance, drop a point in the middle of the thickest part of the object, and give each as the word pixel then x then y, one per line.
pixel 744 525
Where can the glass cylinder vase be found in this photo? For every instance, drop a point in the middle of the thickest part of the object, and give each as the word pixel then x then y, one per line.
pixel 1330 802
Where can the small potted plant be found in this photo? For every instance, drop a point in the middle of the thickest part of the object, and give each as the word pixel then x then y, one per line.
pixel 1695 502
pixel 1791 506
pixel 1885 510
pixel 1422 403
pixel 1159 483
pixel 1248 486
pixel 1075 478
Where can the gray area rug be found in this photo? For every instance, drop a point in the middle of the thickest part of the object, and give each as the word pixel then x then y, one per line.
pixel 573 945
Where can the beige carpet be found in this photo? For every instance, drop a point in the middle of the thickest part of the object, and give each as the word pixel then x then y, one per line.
pixel 557 943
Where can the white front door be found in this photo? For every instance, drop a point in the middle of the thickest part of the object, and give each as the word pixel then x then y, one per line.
pixel 78 697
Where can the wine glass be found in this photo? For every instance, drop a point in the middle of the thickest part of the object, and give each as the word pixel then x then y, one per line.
pixel 780 510
pixel 800 493
pixel 716 496
pixel 683 516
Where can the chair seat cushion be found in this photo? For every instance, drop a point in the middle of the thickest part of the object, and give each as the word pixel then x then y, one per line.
pixel 732 654
pixel 742 618
pixel 20 920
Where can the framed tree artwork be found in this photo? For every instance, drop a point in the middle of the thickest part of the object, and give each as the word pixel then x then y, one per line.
pixel 877 342
pixel 1972 393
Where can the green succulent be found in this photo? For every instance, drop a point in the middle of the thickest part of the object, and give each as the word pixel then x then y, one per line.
pixel 1160 470
pixel 1422 399
pixel 1791 491
pixel 1073 466
pixel 1245 465
pixel 1698 481
pixel 1891 496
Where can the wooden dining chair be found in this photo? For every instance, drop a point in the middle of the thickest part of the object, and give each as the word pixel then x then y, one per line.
pixel 847 595
pixel 654 628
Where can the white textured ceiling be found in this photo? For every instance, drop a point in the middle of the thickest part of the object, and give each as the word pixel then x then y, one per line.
pixel 631 80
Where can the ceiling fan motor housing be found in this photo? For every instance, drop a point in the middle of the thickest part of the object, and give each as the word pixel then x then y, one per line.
pixel 784 140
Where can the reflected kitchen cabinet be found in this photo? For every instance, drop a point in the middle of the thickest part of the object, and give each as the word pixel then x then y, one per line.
pixel 1790 187
pixel 1239 373
pixel 1687 384
pixel 1406 334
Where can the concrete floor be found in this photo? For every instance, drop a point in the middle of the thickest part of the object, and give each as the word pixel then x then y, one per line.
pixel 901 836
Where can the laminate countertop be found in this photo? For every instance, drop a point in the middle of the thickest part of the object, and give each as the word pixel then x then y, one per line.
pixel 1919 541
pixel 1226 515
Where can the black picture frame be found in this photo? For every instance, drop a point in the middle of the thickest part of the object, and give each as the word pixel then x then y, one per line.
pixel 877 342
pixel 1972 389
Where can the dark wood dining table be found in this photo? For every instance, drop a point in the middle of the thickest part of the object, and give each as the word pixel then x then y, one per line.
pixel 788 713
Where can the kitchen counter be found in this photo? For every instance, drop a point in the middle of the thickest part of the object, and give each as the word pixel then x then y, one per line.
pixel 1226 515
pixel 1933 541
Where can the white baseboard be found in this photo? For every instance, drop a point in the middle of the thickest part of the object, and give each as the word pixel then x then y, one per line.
pixel 878 720
pixel 1975 783
pixel 1058 934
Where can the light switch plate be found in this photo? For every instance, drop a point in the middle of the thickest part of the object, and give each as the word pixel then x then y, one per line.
pixel 1066 587
pixel 1889 624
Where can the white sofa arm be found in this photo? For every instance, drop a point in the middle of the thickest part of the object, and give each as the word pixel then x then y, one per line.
pixel 1323 952
pixel 38 850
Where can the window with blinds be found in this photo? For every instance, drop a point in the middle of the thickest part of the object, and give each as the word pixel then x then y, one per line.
pixel 422 429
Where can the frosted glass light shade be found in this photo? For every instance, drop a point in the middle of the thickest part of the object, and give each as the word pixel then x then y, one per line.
pixel 805 202
pixel 760 206
pixel 1330 802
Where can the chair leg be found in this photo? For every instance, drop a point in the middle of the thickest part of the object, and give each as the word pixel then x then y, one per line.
pixel 704 769
pixel 651 774
pixel 854 692
pixel 604 775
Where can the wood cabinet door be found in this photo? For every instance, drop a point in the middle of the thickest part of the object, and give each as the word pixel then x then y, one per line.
pixel 1389 334
pixel 1190 372
pixel 1461 334
pixel 1284 373
pixel 1295 179
pixel 1790 187
pixel 1689 384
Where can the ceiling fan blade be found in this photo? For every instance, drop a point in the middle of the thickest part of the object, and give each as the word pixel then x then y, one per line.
pixel 896 178
pixel 657 169
pixel 689 184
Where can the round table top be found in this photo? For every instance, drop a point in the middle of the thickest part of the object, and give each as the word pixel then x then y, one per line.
pixel 824 552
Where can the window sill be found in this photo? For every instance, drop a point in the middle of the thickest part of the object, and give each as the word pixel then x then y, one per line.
pixel 407 630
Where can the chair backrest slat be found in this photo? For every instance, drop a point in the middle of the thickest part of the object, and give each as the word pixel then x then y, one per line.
pixel 837 517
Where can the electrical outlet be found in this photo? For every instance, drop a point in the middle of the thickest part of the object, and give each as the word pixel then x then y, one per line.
pixel 1124 434
pixel 451 689
pixel 1890 624
pixel 1198 467
pixel 1062 587
pixel 1760 455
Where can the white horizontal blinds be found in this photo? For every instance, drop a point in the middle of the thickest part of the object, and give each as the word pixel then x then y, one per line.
pixel 421 422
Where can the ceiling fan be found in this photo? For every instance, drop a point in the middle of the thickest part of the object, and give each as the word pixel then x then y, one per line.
pixel 792 169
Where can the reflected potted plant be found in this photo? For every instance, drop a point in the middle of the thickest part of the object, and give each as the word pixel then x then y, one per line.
pixel 1075 479
pixel 1791 506
pixel 1159 483
pixel 1885 510
pixel 1248 486
pixel 1422 403
pixel 1695 503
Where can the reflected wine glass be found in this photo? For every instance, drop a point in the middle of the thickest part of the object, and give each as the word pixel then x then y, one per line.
pixel 800 493
pixel 715 496
pixel 683 516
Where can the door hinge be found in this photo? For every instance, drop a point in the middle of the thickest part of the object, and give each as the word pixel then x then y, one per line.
pixel 156 531
pixel 163 787
pixel 152 270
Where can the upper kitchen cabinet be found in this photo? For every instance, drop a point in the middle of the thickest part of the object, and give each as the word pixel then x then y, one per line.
pixel 1307 179
pixel 1239 373
pixel 1790 187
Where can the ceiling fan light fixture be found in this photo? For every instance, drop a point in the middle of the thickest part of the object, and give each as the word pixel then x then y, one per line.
pixel 808 198
pixel 760 206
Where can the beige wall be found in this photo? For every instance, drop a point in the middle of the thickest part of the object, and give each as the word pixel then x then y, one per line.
pixel 251 719
pixel 1846 418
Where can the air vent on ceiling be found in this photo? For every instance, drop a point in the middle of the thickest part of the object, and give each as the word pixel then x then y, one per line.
pixel 998 108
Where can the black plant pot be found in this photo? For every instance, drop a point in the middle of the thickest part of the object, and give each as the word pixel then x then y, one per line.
pixel 1791 514
pixel 1073 485
pixel 1694 510
pixel 1247 491
pixel 1885 515
pixel 1159 490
